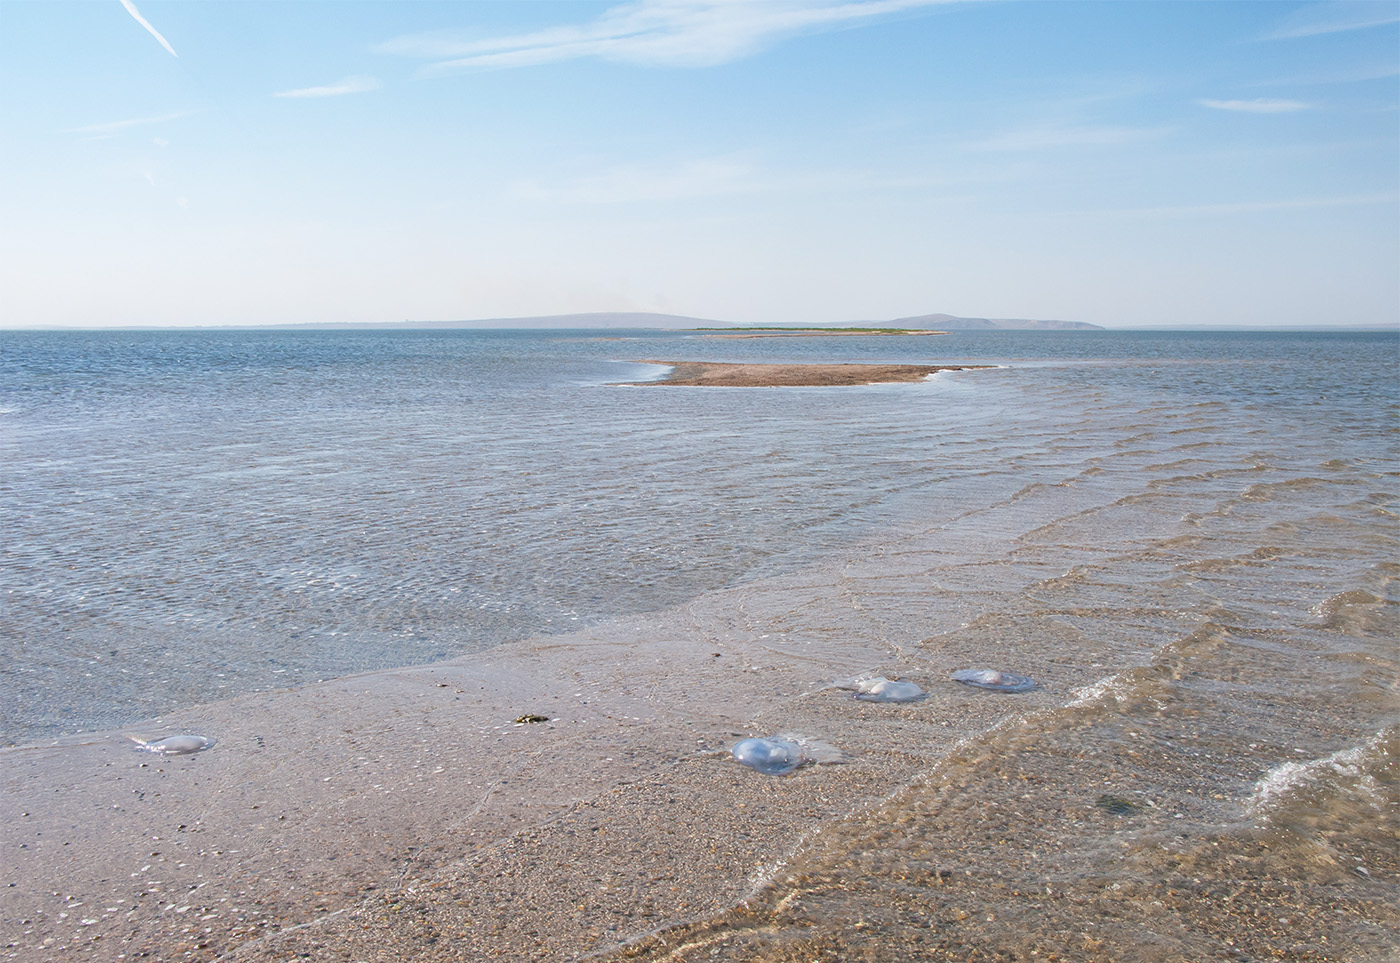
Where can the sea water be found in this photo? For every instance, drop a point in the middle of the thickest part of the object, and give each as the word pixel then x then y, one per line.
pixel 1188 539
pixel 189 515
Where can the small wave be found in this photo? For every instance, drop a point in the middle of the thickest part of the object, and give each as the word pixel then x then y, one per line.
pixel 1267 491
pixel 1360 767
pixel 1357 612
pixel 1112 685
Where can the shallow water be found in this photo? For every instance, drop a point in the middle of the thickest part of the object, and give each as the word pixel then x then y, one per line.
pixel 1188 541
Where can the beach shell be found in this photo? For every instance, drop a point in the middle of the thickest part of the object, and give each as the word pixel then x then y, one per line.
pixel 773 755
pixel 994 680
pixel 182 745
pixel 888 690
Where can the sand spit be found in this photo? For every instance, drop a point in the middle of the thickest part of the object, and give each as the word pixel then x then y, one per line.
pixel 728 375
pixel 820 333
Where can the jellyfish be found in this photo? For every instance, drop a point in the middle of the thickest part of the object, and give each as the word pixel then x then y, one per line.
pixel 773 755
pixel 881 689
pixel 182 745
pixel 994 680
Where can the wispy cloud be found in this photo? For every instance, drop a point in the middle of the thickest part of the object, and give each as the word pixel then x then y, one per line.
pixel 1041 137
pixel 1259 105
pixel 136 14
pixel 1336 17
pixel 358 84
pixel 1253 207
pixel 715 177
pixel 115 126
pixel 669 33
pixel 707 177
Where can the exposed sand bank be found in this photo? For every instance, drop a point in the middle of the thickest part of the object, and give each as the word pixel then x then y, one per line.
pixel 405 816
pixel 728 375
pixel 819 333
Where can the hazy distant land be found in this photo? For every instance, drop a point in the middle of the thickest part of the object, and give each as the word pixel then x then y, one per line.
pixel 671 322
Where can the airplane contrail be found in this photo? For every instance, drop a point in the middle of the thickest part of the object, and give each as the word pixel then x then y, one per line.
pixel 131 9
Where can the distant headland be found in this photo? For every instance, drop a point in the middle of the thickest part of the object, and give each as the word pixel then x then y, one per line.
pixel 671 322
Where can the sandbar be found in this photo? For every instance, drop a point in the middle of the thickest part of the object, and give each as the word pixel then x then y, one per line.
pixel 744 375
pixel 817 333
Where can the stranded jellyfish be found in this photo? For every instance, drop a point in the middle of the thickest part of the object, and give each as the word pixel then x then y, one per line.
pixel 996 681
pixel 780 755
pixel 888 690
pixel 773 755
pixel 174 745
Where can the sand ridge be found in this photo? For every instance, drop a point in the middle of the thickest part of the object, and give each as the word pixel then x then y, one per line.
pixel 747 375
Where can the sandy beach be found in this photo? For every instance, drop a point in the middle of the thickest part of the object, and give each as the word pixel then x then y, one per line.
pixel 725 375
pixel 408 815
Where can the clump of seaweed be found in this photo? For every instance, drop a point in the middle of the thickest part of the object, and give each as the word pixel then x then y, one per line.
pixel 1116 805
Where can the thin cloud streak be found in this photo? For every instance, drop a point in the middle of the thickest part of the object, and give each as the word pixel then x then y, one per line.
pixel 1338 17
pixel 715 177
pixel 350 85
pixel 711 177
pixel 655 33
pixel 1248 207
pixel 136 14
pixel 1260 105
pixel 111 127
pixel 1049 136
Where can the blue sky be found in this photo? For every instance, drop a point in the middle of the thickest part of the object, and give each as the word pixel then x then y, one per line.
pixel 1125 163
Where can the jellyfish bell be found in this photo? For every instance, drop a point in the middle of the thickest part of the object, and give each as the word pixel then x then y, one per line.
pixel 772 755
pixel 888 690
pixel 781 754
pixel 181 745
pixel 994 680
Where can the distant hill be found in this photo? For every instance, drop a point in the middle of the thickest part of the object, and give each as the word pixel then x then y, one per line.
pixel 949 322
pixel 639 320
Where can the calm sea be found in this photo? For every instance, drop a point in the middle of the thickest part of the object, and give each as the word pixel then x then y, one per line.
pixel 189 515
pixel 1191 536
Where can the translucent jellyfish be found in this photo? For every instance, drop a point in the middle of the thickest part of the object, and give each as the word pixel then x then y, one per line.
pixel 174 745
pixel 994 680
pixel 888 690
pixel 773 755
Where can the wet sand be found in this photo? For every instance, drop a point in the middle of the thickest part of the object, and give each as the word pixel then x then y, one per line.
pixel 719 374
pixel 406 815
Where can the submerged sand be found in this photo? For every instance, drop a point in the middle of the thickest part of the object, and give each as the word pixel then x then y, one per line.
pixel 743 375
pixel 406 815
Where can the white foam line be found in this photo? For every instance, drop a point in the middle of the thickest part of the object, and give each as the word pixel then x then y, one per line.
pixel 1284 779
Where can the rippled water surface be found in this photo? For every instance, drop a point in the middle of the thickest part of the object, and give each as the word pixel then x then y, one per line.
pixel 1188 540
pixel 188 515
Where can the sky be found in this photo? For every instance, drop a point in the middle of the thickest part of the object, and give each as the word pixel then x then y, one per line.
pixel 214 162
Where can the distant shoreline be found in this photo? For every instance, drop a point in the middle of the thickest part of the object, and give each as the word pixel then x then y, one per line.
pixel 731 375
